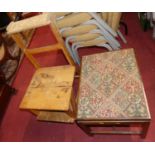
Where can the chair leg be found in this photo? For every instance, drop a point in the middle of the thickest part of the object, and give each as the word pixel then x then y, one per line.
pixel 103 23
pixel 106 46
pixel 105 33
pixel 69 48
pixel 75 52
pixel 121 36
pixel 76 46
pixel 111 40
pixel 17 38
pixel 68 57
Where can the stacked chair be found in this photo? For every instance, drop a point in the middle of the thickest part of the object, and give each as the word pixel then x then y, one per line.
pixel 79 29
pixel 88 29
pixel 113 20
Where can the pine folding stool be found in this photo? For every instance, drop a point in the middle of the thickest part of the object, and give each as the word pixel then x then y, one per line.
pixel 50 96
pixel 111 95
pixel 16 28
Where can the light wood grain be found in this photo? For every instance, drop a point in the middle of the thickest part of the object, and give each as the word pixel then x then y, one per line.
pixel 44 49
pixel 55 117
pixel 16 28
pixel 50 89
pixel 55 30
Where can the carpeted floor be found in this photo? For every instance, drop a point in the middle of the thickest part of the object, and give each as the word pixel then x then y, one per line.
pixel 20 125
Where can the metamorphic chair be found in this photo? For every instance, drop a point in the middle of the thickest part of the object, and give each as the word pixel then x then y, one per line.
pixel 49 95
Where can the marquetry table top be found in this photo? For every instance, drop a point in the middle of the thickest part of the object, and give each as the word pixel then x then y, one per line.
pixel 111 87
pixel 49 89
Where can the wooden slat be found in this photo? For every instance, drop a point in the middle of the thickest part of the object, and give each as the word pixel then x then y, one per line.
pixel 19 40
pixel 55 117
pixel 60 40
pixel 44 49
pixel 28 35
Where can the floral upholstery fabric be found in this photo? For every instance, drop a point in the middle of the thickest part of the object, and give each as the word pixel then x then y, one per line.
pixel 111 87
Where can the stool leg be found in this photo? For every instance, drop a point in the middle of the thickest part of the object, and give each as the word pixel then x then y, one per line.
pixel 74 103
pixel 85 128
pixel 68 57
pixel 71 112
pixel 145 127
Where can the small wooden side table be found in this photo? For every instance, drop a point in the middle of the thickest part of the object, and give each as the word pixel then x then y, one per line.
pixel 111 94
pixel 50 94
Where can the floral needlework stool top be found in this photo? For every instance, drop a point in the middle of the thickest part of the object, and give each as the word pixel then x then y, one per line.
pixel 111 87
